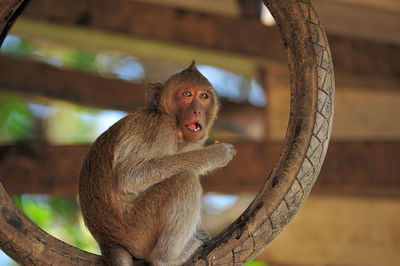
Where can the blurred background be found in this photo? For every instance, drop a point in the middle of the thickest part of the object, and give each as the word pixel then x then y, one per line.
pixel 70 69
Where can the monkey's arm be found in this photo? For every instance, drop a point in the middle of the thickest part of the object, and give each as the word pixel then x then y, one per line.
pixel 139 176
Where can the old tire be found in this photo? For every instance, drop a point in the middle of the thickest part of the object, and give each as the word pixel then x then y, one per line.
pixel 285 189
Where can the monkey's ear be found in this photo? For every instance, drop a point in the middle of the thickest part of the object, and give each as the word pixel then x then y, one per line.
pixel 153 94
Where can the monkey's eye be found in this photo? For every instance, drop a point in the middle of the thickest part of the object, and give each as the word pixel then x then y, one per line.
pixel 204 96
pixel 186 94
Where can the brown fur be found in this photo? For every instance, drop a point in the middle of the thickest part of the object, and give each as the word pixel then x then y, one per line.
pixel 139 186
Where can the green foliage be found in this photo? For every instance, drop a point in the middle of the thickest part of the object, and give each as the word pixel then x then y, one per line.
pixel 58 122
pixel 59 217
pixel 256 263
pixel 16 120
pixel 82 60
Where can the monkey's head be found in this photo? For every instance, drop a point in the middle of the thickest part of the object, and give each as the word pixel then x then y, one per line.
pixel 190 99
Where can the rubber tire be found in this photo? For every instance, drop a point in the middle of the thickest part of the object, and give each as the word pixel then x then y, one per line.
pixel 285 189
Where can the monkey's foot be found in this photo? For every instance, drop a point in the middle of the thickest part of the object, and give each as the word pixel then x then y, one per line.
pixel 202 235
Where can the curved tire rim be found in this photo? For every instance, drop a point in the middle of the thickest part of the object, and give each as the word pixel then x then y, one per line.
pixel 285 189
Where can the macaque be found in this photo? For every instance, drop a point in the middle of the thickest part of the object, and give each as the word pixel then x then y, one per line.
pixel 139 186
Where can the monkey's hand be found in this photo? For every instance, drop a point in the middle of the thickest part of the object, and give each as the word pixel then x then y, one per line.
pixel 222 153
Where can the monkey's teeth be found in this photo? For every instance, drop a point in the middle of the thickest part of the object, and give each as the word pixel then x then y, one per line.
pixel 194 127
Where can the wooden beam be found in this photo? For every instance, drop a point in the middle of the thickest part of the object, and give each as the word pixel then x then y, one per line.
pixel 354 168
pixel 35 78
pixel 361 113
pixel 370 20
pixel 358 57
pixel 41 168
pixel 220 7
pixel 250 9
pixel 350 167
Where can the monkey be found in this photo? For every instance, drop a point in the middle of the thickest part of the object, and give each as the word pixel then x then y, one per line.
pixel 139 186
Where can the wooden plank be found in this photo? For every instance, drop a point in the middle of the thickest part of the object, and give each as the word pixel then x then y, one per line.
pixel 392 5
pixel 220 7
pixel 361 114
pixel 350 167
pixel 358 57
pixel 361 168
pixel 250 9
pixel 370 20
pixel 41 168
pixel 41 79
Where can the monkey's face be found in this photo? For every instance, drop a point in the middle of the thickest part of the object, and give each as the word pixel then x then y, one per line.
pixel 193 105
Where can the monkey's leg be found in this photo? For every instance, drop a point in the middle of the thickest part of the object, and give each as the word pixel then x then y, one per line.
pixel 190 248
pixel 168 252
pixel 181 212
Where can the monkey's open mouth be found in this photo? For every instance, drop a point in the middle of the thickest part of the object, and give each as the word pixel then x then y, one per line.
pixel 195 126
